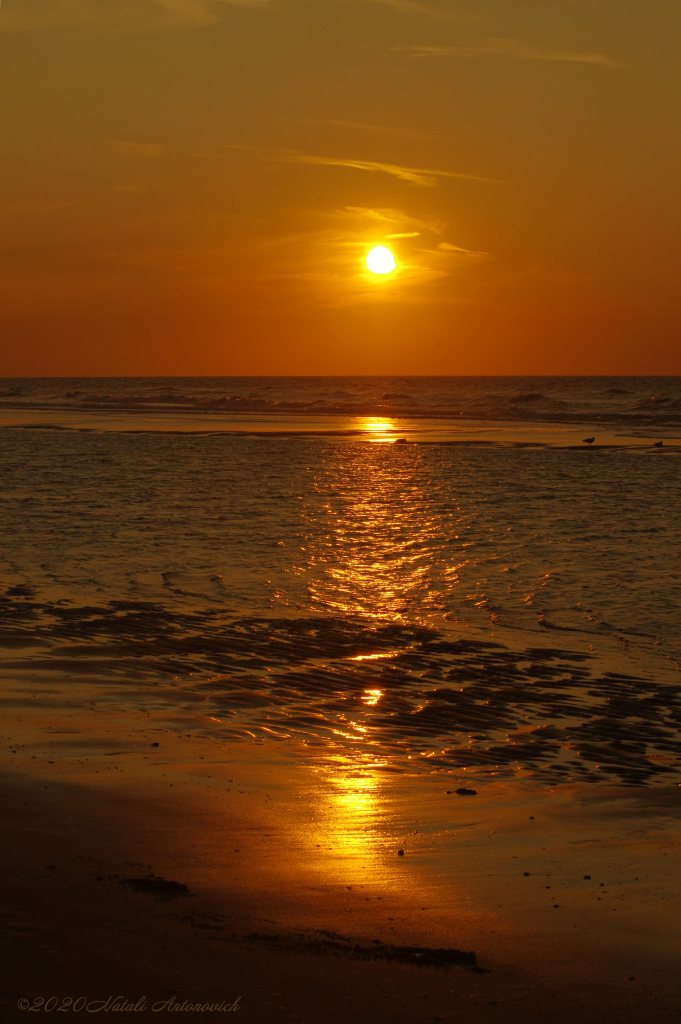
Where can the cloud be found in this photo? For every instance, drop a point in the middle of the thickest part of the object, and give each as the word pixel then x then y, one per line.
pixel 359 126
pixel 124 15
pixel 324 263
pixel 392 223
pixel 424 177
pixel 448 247
pixel 415 175
pixel 427 10
pixel 144 15
pixel 513 48
pixel 139 149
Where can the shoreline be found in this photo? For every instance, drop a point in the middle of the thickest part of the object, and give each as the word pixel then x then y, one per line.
pixel 296 891
pixel 513 435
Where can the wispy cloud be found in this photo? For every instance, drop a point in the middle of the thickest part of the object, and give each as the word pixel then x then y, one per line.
pixel 124 15
pixel 138 149
pixel 325 262
pixel 143 15
pixel 416 175
pixel 448 247
pixel 427 10
pixel 513 48
pixel 360 126
pixel 393 223
pixel 425 177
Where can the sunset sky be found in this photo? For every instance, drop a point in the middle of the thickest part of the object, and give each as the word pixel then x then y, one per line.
pixel 192 186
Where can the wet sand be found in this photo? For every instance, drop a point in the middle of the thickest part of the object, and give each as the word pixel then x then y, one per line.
pixel 297 901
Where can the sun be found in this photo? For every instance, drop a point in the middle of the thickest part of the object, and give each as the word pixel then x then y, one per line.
pixel 380 260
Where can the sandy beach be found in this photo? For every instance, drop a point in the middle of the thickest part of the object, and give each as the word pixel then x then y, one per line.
pixel 291 900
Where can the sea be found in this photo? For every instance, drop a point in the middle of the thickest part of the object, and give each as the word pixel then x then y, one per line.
pixel 402 574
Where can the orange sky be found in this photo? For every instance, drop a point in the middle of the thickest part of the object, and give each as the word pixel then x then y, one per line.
pixel 191 186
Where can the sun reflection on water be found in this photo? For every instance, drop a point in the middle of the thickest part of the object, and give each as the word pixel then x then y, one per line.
pixel 374 657
pixel 355 795
pixel 374 556
pixel 379 429
pixel 354 810
pixel 372 697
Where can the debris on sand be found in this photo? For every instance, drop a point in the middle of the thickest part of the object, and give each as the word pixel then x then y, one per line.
pixel 156 886
pixel 338 945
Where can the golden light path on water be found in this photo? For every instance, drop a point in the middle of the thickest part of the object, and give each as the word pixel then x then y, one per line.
pixel 375 563
pixel 378 429
pixel 354 812
pixel 373 557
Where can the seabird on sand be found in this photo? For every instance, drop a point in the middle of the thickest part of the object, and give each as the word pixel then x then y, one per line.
pixel 589 440
pixel 658 444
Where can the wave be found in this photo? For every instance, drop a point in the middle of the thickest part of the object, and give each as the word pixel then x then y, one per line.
pixel 643 402
pixel 533 396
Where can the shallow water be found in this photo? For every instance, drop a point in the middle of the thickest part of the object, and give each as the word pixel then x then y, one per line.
pixel 508 609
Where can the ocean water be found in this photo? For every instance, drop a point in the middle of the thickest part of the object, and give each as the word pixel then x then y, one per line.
pixel 497 409
pixel 259 558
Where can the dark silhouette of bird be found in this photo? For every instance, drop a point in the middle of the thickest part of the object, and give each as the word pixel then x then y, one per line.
pixel 658 444
pixel 588 440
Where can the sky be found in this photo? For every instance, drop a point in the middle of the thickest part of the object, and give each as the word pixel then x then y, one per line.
pixel 192 187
